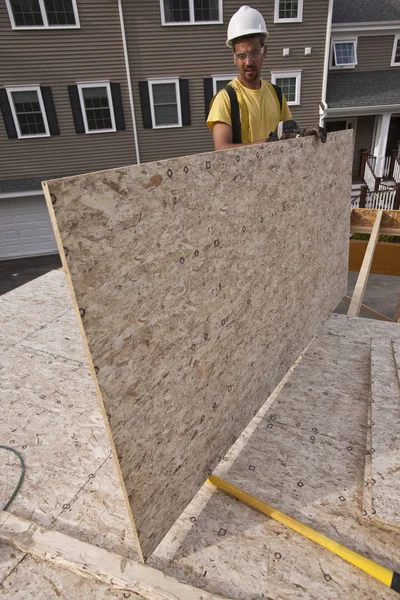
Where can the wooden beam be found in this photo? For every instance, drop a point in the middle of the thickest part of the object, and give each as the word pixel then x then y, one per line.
pixel 386 257
pixel 397 313
pixel 362 221
pixel 358 294
pixel 369 310
pixel 92 561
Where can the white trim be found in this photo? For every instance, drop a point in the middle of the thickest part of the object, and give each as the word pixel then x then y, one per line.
pixel 152 82
pixel 216 78
pixel 128 78
pixel 342 40
pixel 395 43
pixel 44 18
pixel 326 62
pixel 298 19
pixel 191 16
pixel 20 194
pixel 28 88
pixel 94 84
pixel 373 28
pixel 362 110
pixel 284 75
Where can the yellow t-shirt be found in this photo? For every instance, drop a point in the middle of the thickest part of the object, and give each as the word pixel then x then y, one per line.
pixel 259 110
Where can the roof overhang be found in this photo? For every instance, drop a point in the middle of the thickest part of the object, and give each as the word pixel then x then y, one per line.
pixel 356 111
pixel 371 28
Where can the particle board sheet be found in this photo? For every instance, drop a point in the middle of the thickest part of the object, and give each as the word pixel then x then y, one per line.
pixel 385 421
pixel 198 281
pixel 223 545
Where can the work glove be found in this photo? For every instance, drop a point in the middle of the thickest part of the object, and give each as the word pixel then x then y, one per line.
pixel 289 129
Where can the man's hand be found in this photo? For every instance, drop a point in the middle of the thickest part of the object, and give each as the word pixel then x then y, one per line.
pixel 289 129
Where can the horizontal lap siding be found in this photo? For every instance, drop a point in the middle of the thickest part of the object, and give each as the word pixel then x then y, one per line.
pixel 58 58
pixel 374 52
pixel 195 52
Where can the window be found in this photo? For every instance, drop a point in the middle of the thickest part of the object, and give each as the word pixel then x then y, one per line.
pixel 290 84
pixel 183 12
pixel 221 81
pixel 97 107
pixel 165 103
pixel 288 11
pixel 344 54
pixel 27 14
pixel 396 52
pixel 28 111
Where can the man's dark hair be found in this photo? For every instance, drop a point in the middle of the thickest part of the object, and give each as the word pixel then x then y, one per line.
pixel 246 37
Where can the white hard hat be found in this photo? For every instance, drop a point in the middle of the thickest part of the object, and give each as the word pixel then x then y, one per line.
pixel 246 21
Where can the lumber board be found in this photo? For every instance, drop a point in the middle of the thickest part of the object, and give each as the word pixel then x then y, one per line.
pixel 370 311
pixel 386 259
pixel 85 559
pixel 200 280
pixel 361 284
pixel 385 420
pixel 362 221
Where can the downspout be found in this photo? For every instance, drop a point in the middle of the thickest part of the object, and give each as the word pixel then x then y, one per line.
pixel 128 77
pixel 326 62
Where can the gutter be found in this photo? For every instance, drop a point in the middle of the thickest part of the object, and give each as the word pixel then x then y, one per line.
pixel 362 110
pixel 326 61
pixel 128 77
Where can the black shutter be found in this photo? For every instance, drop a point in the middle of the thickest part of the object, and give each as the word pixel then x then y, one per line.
pixel 7 115
pixel 118 108
pixel 208 94
pixel 145 104
pixel 50 110
pixel 76 108
pixel 185 105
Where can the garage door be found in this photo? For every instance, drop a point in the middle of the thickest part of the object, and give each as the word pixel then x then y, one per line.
pixel 25 227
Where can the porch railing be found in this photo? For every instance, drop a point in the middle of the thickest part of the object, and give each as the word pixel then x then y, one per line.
pixel 388 197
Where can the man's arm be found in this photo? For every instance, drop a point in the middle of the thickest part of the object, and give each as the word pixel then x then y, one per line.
pixel 222 135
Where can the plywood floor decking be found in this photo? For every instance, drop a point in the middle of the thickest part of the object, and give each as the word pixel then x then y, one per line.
pixel 217 544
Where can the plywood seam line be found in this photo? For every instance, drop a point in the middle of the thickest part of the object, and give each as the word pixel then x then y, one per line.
pixel 383 574
pixel 89 560
pixel 370 310
pixel 359 290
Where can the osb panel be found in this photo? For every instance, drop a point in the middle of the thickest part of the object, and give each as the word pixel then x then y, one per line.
pixel 364 218
pixel 313 435
pixel 32 306
pixel 385 420
pixel 200 280
pixel 34 579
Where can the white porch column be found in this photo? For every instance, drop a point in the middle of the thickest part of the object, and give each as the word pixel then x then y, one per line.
pixel 382 132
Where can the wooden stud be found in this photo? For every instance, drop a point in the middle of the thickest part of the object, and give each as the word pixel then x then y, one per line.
pixel 88 560
pixel 359 290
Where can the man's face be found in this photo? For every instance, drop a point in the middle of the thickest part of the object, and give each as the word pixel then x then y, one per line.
pixel 248 57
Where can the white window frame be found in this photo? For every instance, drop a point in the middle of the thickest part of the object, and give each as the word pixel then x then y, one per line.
pixel 191 16
pixel 286 74
pixel 216 78
pixel 28 88
pixel 152 82
pixel 44 18
pixel 298 19
pixel 343 40
pixel 94 84
pixel 395 43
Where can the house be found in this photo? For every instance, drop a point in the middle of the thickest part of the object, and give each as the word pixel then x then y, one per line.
pixel 65 103
pixel 363 91
pixel 89 86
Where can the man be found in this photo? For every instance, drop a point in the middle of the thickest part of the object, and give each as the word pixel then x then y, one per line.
pixel 261 106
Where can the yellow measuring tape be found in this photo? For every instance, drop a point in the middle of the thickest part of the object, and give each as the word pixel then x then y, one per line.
pixel 383 574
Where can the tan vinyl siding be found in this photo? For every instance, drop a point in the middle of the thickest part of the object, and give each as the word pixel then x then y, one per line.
pixel 58 58
pixel 374 52
pixel 196 52
pixel 364 133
